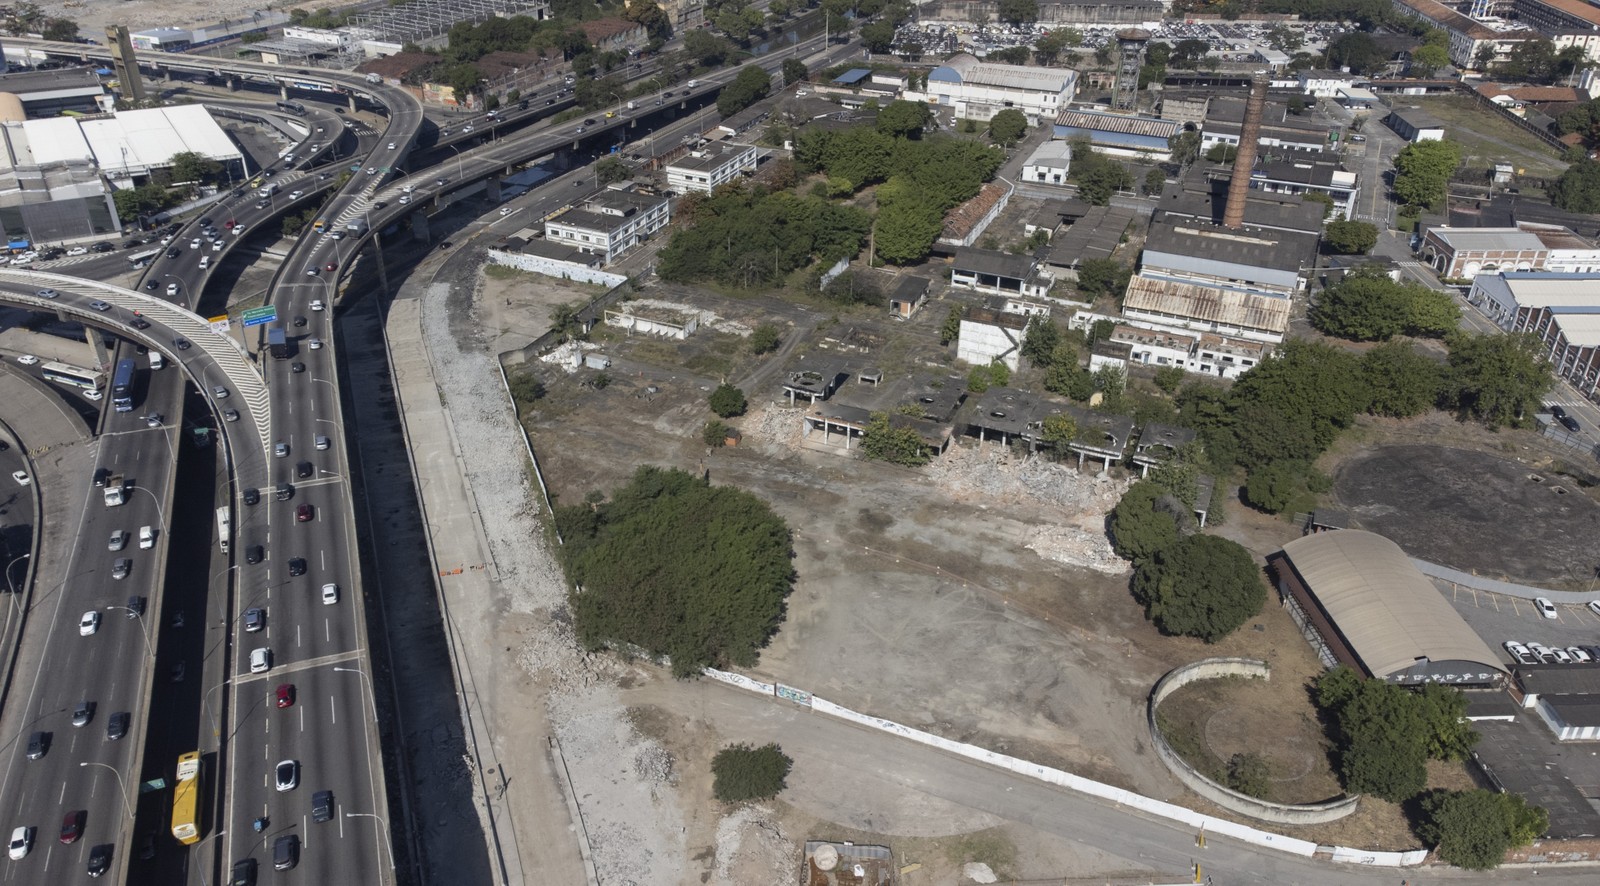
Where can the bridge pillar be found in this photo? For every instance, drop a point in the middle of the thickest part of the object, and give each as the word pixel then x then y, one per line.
pixel 283 93
pixel 232 81
pixel 350 103
pixel 491 189
pixel 97 344
pixel 419 227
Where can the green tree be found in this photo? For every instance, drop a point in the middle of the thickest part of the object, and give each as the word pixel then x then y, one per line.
pixel 1428 60
pixel 1185 147
pixel 1018 12
pixel 1204 586
pixel 1401 382
pixel 1145 522
pixel 1008 126
pixel 1272 487
pixel 1154 180
pixel 1187 53
pixel 1350 237
pixel 794 71
pixel 905 231
pixel 1475 829
pixel 677 567
pixel 1578 188
pixel 1097 176
pixel 883 441
pixel 610 169
pixel 741 772
pixel 764 339
pixel 750 86
pixel 1169 379
pixel 904 119
pixel 1497 379
pixel 878 36
pixel 1423 169
pixel 1040 340
pixel 1249 774
pixel 1294 405
pixel 1447 734
pixel 950 329
pixel 1048 48
pixel 1221 152
pixel 715 434
pixel 1357 50
pixel 705 48
pixel 60 29
pixel 526 389
pixel 1369 306
pixel 727 401
pixel 1103 276
pixel 1058 430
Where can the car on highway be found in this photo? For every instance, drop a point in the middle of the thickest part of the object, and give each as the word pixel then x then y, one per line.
pixel 72 825
pixel 139 323
pixel 312 272
pixel 117 726
pixel 27 359
pixel 255 618
pixel 154 420
pixel 230 415
pixel 286 852
pixel 331 266
pixel 260 660
pixel 254 554
pixel 135 606
pixel 21 843
pixel 330 594
pixel 252 496
pixel 172 289
pixel 21 477
pixel 337 235
pixel 286 775
pixel 1545 607
pixel 297 567
pixel 100 306
pixel 304 513
pixel 93 395
pixel 101 247
pixel 177 672
pixel 297 367
pixel 89 623
pixel 119 538
pixel 99 860
pixel 121 568
pixel 316 304
pixel 391 146
pixel 78 250
pixel 244 873
pixel 314 344
pixel 322 806
pixel 181 344
pixel 507 210
pixel 323 442
pixel 372 170
pixel 47 293
pixel 280 450
pixel 219 392
pixel 285 695
pixel 38 745
pixel 304 470
pixel 299 322
pixel 296 195
pixel 83 714
pixel 147 537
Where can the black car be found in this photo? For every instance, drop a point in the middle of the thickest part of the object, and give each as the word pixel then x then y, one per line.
pixel 297 367
pixel 139 323
pixel 589 122
pixel 299 322
pixel 297 566
pixel 101 475
pixel 379 205
pixel 1569 423
pixel 147 847
pixel 252 496
pixel 181 344
pixel 205 222
pixel 244 873
pixel 322 806
pixel 117 726
pixel 38 745
pixel 100 859
pixel 53 252
pixel 253 554
pixel 101 247
pixel 151 285
pixel 173 252
pixel 304 470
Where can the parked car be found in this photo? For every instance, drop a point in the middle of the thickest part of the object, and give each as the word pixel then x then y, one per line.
pixel 1545 607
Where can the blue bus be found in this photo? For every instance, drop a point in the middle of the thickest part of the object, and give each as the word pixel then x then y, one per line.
pixel 122 385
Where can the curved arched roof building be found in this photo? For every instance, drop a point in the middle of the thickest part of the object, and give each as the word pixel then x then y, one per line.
pixel 1359 599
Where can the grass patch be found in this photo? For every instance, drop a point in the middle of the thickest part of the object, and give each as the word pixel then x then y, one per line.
pixel 1486 137
pixel 992 847
pixel 714 365
pixel 1185 740
pixel 506 272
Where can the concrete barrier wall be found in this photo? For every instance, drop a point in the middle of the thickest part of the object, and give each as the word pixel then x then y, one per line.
pixel 552 268
pixel 1227 798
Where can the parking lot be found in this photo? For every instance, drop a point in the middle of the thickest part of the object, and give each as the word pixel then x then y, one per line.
pixel 1228 42
pixel 1527 760
pixel 1497 618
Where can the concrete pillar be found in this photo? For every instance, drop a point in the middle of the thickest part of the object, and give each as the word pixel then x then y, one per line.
pixel 97 345
pixel 283 93
pixel 350 103
pixel 419 226
pixel 232 81
pixel 491 189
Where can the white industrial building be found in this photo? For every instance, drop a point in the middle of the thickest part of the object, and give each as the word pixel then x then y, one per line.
pixel 706 170
pixel 995 332
pixel 609 223
pixel 1049 164
pixel 977 90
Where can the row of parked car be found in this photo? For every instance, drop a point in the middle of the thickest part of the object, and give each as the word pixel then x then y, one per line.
pixel 1538 653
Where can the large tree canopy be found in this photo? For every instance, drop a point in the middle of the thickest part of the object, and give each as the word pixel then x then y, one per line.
pixel 1369 306
pixel 1386 732
pixel 1203 586
pixel 1423 169
pixel 678 567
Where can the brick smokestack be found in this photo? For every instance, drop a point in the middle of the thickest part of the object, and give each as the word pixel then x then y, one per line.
pixel 1245 160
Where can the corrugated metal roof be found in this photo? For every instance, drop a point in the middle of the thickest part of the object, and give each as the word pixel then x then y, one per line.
pixel 966 68
pixel 1580 328
pixel 1387 610
pixel 1483 239
pixel 1125 124
pixel 1207 304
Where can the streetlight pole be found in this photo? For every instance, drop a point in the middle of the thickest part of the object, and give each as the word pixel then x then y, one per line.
pixel 200 867
pixel 381 823
pixel 133 614
pixel 458 161
pixel 363 675
pixel 121 786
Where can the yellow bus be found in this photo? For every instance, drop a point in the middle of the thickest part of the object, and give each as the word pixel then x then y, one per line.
pixel 319 226
pixel 186 799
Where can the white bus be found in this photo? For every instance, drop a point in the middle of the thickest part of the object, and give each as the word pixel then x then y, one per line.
pixel 77 376
pixel 140 259
pixel 224 526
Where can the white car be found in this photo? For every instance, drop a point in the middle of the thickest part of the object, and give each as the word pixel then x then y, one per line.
pixel 78 250
pixel 172 289
pixel 27 359
pixel 287 775
pixel 1579 654
pixel 296 195
pixel 260 660
pixel 147 538
pixel 316 304
pixel 21 842
pixel 21 477
pixel 1594 606
pixel 404 199
pixel 391 146
pixel 507 210
pixel 314 344
pixel 89 623
pixel 1545 607
pixel 330 594
pixel 93 395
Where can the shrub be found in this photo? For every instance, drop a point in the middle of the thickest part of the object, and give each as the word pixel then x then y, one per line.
pixel 728 401
pixel 743 772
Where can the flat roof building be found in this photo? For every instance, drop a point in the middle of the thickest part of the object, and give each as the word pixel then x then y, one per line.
pixel 1048 164
pixel 705 170
pixel 977 90
pixel 1457 253
pixel 1360 602
pixel 1415 125
pixel 610 222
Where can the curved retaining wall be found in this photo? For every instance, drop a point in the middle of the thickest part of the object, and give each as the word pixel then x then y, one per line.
pixel 1278 813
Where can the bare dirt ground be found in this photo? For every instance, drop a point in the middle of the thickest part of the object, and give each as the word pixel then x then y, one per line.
pixel 93 16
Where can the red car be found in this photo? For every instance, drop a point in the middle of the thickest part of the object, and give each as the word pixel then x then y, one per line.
pixel 303 514
pixel 286 695
pixel 331 266
pixel 229 224
pixel 72 825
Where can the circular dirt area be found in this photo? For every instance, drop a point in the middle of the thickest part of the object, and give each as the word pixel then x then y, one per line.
pixel 1209 721
pixel 1473 511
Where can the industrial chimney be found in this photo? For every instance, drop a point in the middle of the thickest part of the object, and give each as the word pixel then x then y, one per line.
pixel 1245 160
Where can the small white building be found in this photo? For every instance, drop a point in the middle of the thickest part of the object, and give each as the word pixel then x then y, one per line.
pixel 977 90
pixel 1327 84
pixel 609 223
pixel 706 170
pixel 1049 164
pixel 995 332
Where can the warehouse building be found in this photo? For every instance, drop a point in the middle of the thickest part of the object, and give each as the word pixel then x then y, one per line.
pixel 978 90
pixel 1360 602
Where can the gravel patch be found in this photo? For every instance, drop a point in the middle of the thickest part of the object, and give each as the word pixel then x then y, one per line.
pixel 623 780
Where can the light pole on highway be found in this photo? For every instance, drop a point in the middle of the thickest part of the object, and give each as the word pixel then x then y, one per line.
pixel 458 161
pixel 134 614
pixel 381 823
pixel 160 513
pixel 121 786
pixel 368 680
pixel 200 867
pixel 9 583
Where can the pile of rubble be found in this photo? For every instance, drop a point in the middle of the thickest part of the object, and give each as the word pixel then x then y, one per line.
pixel 568 355
pixel 773 423
pixel 996 473
pixel 708 319
pixel 1076 547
